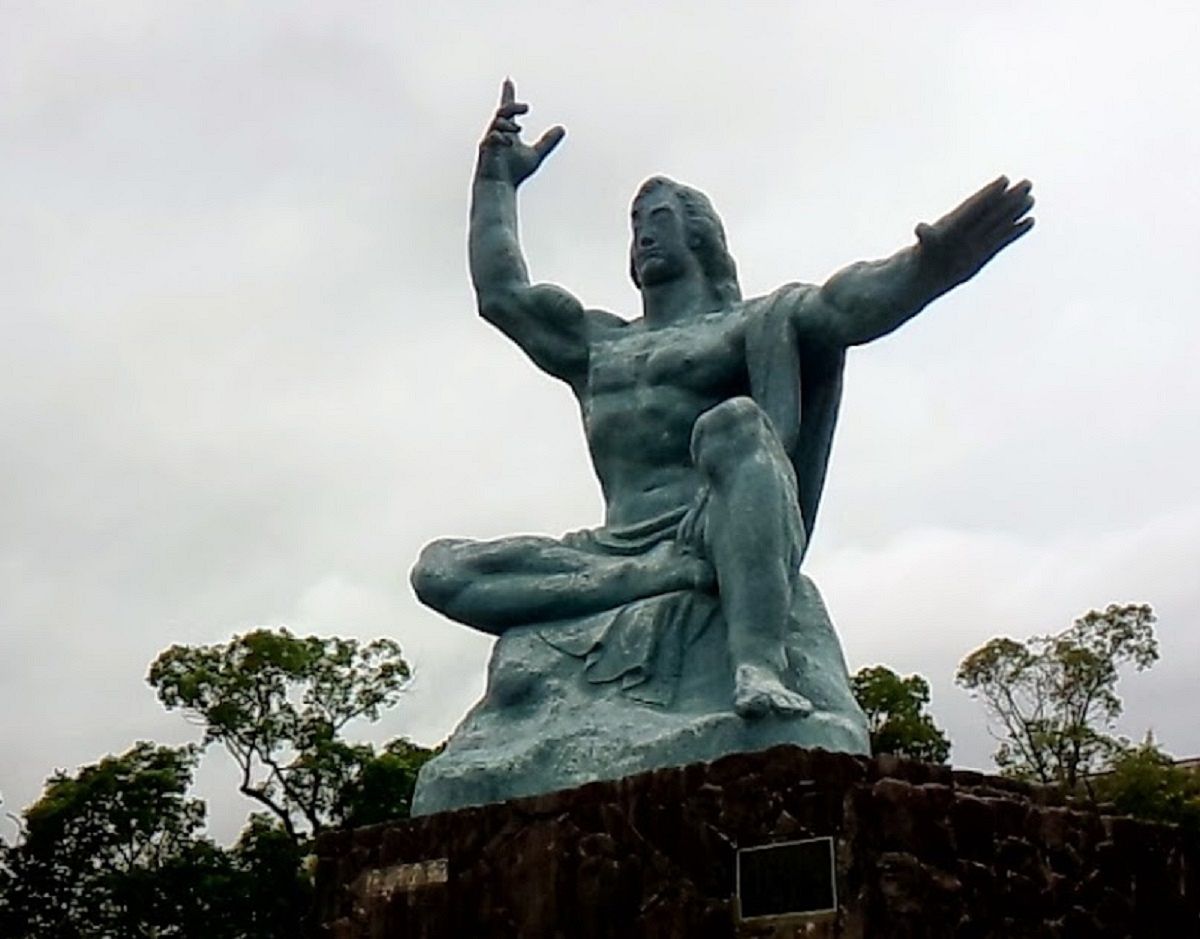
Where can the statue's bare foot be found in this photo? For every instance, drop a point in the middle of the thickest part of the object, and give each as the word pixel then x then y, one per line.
pixel 757 691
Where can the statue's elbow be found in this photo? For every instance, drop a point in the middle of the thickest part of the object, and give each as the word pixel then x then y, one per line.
pixel 496 305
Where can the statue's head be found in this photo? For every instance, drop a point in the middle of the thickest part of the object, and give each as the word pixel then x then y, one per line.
pixel 702 230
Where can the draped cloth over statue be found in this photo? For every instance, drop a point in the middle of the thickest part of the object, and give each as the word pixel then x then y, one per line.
pixel 799 387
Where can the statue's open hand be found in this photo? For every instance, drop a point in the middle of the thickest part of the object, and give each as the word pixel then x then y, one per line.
pixel 502 153
pixel 958 244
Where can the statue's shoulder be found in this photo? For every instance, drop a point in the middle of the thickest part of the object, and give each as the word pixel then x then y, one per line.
pixel 605 329
pixel 789 296
pixel 603 321
pixel 558 303
pixel 791 315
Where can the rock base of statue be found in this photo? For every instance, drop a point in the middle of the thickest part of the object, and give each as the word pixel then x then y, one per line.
pixel 907 850
pixel 620 693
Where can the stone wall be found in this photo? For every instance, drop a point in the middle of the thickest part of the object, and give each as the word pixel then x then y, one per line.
pixel 921 851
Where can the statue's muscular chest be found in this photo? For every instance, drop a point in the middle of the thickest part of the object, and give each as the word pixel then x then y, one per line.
pixel 702 356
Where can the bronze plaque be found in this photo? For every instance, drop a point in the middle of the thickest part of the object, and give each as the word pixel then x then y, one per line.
pixel 786 879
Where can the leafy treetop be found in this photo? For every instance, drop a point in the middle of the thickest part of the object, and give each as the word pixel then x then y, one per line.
pixel 278 704
pixel 896 718
pixel 1054 697
pixel 1145 782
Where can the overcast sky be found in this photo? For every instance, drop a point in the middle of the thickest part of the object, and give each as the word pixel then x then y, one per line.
pixel 242 380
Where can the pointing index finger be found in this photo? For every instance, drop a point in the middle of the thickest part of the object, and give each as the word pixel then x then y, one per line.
pixel 508 93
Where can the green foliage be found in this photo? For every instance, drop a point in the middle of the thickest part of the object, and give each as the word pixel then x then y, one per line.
pixel 384 787
pixel 278 704
pixel 128 809
pixel 896 718
pixel 1054 696
pixel 115 850
pixel 273 892
pixel 1145 782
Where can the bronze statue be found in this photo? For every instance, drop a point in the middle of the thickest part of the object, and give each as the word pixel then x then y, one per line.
pixel 709 421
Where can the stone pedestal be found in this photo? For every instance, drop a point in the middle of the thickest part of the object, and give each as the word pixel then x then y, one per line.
pixel 919 851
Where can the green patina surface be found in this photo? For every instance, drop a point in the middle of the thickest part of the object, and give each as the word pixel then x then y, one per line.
pixel 682 628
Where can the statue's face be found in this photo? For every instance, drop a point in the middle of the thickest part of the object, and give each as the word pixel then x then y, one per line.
pixel 660 248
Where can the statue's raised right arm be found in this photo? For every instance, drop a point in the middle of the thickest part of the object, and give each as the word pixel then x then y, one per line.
pixel 871 298
pixel 544 320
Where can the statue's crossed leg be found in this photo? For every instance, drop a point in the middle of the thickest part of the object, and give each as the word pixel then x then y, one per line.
pixel 745 528
pixel 495 585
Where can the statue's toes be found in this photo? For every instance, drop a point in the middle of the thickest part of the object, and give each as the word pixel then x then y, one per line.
pixel 751 706
pixel 757 692
pixel 789 702
pixel 751 703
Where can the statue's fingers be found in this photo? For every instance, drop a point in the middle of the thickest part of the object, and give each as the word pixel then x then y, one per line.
pixel 548 141
pixel 512 109
pixel 1021 202
pixel 1011 204
pixel 1001 236
pixel 1006 210
pixel 1018 230
pixel 990 191
pixel 1013 233
pixel 974 206
pixel 498 138
pixel 1024 187
pixel 508 92
pixel 504 124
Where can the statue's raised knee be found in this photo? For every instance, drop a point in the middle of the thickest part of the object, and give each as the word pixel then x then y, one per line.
pixel 438 575
pixel 733 435
pixel 728 433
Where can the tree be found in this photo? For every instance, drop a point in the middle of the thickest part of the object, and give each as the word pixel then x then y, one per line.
pixel 385 784
pixel 272 893
pixel 1054 696
pixel 895 714
pixel 115 850
pixel 278 704
pixel 1145 782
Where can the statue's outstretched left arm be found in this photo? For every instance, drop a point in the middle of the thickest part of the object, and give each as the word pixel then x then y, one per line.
pixel 871 298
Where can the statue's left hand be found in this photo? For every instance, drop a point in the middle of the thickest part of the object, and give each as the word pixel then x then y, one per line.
pixel 958 244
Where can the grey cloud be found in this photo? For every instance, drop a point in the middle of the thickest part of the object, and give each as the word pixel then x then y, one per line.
pixel 242 381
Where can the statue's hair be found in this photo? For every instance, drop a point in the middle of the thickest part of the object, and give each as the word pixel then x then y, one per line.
pixel 705 236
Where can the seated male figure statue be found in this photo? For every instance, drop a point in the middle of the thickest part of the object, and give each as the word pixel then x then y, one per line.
pixel 709 419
